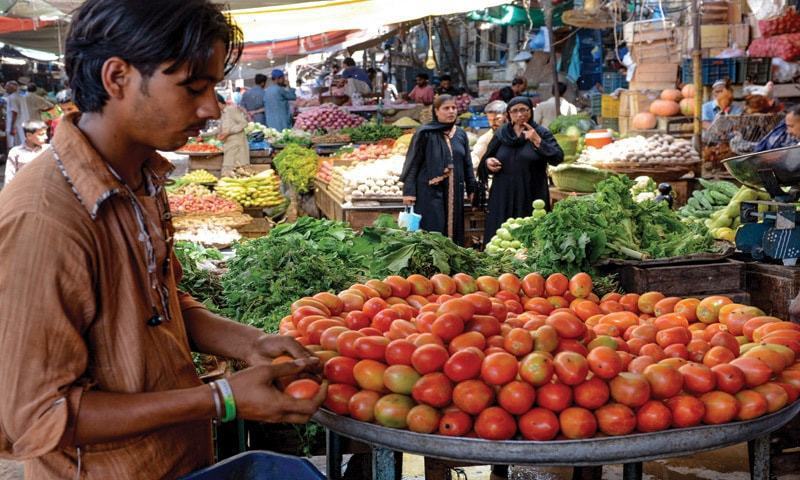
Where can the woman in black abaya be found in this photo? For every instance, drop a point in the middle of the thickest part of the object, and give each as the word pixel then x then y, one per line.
pixel 517 159
pixel 438 171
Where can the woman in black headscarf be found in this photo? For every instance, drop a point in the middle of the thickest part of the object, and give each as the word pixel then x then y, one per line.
pixel 517 158
pixel 438 171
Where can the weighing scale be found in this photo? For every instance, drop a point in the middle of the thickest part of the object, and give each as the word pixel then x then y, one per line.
pixel 770 228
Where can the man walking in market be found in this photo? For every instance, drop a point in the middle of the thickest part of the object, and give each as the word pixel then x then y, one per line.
pixel 97 379
pixel 276 101
pixel 253 100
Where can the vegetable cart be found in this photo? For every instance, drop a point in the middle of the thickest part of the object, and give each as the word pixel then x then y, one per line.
pixel 630 450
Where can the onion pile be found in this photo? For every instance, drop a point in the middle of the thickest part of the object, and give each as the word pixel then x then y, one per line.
pixel 327 117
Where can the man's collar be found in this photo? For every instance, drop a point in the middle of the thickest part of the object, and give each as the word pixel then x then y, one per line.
pixel 87 173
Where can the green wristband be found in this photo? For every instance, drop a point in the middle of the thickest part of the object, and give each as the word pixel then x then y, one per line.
pixel 227 399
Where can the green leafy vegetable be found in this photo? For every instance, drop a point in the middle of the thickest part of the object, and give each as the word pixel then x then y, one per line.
pixel 297 167
pixel 372 132
pixel 200 279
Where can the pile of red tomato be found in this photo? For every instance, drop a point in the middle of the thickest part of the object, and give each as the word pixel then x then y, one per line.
pixel 541 359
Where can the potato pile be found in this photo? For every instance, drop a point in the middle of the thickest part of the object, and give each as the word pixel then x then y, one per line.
pixel 655 150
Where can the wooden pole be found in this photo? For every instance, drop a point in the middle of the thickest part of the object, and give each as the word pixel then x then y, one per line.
pixel 548 7
pixel 454 52
pixel 697 70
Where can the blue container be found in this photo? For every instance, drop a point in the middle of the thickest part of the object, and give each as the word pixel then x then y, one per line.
pixel 479 121
pixel 591 68
pixel 259 466
pixel 713 69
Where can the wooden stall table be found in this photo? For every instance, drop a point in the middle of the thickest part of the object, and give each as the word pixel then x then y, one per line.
pixel 700 275
pixel 362 214
pixel 211 162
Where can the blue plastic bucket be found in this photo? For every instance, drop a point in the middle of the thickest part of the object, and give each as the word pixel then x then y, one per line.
pixel 259 466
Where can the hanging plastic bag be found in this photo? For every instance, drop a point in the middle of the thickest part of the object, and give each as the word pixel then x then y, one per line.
pixel 408 219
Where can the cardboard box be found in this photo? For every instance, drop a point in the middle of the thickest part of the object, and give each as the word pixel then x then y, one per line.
pixel 740 35
pixel 663 51
pixel 655 76
pixel 647 31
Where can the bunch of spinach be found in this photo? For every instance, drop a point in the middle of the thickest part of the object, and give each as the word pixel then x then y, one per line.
pixel 201 279
pixel 271 272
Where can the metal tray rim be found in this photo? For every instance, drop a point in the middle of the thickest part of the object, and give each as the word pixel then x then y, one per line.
pixel 636 447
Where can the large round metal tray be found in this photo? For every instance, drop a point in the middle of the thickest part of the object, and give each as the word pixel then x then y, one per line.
pixel 595 451
pixel 785 162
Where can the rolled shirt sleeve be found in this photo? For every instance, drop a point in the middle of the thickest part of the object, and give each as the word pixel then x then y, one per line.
pixel 46 305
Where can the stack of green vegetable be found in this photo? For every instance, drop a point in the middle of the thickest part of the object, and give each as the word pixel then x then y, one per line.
pixel 372 132
pixel 572 125
pixel 722 223
pixel 607 224
pixel 201 279
pixel 297 167
pixel 644 188
pixel 503 241
pixel 703 203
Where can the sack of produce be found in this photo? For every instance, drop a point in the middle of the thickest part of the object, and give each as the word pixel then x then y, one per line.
pixel 785 46
pixel 787 22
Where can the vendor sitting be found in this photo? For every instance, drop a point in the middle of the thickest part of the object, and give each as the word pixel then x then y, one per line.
pixel 722 103
pixel 446 87
pixel 786 134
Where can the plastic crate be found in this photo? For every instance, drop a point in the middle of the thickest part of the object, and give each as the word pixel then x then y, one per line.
pixel 595 104
pixel 609 107
pixel 592 68
pixel 259 466
pixel 613 81
pixel 756 70
pixel 586 82
pixel 713 69
pixel 478 121
pixel 610 123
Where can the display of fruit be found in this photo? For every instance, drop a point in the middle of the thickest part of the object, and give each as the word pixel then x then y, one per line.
pixel 200 176
pixel 190 189
pixel 327 117
pixel 190 204
pixel 541 358
pixel 368 152
pixel 503 241
pixel 656 149
pixel 199 147
pixel 260 190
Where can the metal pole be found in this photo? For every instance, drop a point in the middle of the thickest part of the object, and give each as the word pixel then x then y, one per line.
pixel 548 6
pixel 697 70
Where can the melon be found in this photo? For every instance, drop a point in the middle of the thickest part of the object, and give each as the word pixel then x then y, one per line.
pixel 671 94
pixel 665 108
pixel 644 121
pixel 687 107
pixel 688 91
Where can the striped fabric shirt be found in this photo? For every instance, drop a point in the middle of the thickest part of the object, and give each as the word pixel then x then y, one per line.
pixel 74 306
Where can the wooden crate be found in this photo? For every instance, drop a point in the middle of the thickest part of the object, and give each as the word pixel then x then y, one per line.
pixel 655 76
pixel 474 226
pixel 259 227
pixel 659 52
pixel 632 102
pixel 772 287
pixel 687 280
pixel 211 163
pixel 676 125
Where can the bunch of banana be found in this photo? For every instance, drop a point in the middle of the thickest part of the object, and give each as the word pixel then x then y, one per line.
pixel 200 176
pixel 261 190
